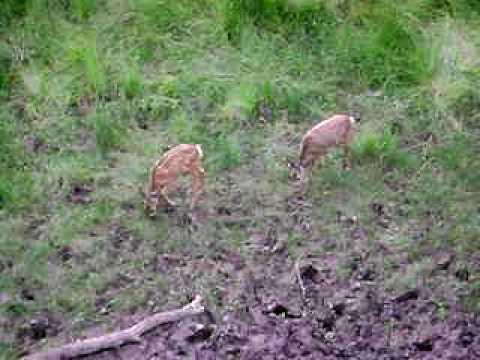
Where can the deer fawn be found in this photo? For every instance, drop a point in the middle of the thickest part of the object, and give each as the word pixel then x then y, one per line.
pixel 180 160
pixel 334 131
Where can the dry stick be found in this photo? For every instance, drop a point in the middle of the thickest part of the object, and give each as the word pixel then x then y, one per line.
pixel 122 337
pixel 299 278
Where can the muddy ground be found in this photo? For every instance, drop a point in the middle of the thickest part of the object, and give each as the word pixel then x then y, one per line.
pixel 269 304
pixel 327 317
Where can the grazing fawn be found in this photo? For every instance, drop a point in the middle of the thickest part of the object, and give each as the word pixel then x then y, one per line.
pixel 334 131
pixel 180 160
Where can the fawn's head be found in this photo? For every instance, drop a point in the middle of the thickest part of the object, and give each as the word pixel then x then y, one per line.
pixel 355 115
pixel 294 170
pixel 150 202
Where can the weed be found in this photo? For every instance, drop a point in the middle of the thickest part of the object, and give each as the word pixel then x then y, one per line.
pixel 15 181
pixel 81 9
pixel 386 50
pixel 5 63
pixel 272 15
pixel 464 101
pixel 458 155
pixel 8 352
pixel 383 147
pixel 187 129
pixel 294 241
pixel 471 301
pixel 226 153
pixel 165 16
pixel 131 83
pixel 108 132
pixel 12 9
pixel 241 102
pixel 84 58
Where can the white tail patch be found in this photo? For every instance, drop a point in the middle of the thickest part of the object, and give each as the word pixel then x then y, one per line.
pixel 352 120
pixel 199 150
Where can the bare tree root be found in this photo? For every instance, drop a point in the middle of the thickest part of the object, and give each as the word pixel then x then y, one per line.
pixel 122 337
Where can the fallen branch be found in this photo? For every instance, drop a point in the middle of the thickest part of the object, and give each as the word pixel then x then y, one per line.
pixel 122 337
pixel 299 278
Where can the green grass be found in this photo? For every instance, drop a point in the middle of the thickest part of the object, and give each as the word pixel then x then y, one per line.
pixel 382 47
pixel 124 79
pixel 15 180
pixel 109 131
pixel 383 148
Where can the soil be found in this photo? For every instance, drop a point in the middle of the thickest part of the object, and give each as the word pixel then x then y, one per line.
pixel 80 193
pixel 305 310
pixel 268 304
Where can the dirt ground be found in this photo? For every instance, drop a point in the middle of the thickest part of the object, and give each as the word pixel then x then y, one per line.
pixel 270 307
pixel 330 319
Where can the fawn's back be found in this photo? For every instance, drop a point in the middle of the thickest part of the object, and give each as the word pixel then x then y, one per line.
pixel 182 159
pixel 334 131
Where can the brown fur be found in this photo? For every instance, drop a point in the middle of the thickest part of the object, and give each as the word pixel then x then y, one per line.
pixel 334 131
pixel 181 160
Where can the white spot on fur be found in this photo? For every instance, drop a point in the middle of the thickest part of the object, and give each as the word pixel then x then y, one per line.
pixel 352 120
pixel 199 150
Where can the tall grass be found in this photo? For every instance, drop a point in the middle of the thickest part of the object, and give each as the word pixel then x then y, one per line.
pixel 15 179
pixel 5 63
pixel 166 16
pixel 382 47
pixel 383 147
pixel 284 16
pixel 131 81
pixel 12 9
pixel 88 66
pixel 109 132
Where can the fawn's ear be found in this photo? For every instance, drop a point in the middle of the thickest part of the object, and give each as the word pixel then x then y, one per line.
pixel 198 147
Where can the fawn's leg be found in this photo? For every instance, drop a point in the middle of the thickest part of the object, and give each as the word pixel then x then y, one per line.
pixel 346 157
pixel 197 185
pixel 346 148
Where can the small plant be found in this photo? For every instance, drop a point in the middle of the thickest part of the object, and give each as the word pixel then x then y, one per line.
pixel 242 102
pixel 15 180
pixel 108 132
pixel 471 301
pixel 464 100
pixel 86 62
pixel 186 129
pixel 458 154
pixel 294 242
pixel 12 9
pixel 383 147
pixel 131 83
pixel 226 152
pixel 80 10
pixel 165 15
pixel 5 62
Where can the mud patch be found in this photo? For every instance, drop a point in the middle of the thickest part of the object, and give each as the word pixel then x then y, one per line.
pixel 80 193
pixel 121 239
pixel 38 327
pixel 336 318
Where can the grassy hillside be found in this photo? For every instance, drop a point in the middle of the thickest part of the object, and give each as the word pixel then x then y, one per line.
pixel 92 92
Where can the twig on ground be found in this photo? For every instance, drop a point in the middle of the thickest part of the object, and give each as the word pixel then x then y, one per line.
pixel 299 278
pixel 121 337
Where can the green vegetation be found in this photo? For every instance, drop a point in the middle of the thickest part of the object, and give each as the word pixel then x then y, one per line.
pixel 245 78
